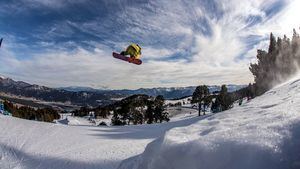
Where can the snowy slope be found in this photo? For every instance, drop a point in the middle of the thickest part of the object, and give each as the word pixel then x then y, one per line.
pixel 175 114
pixel 261 134
pixel 186 100
pixel 29 144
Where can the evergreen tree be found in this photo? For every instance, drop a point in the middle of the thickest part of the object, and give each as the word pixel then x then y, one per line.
pixel 139 109
pixel 295 41
pixel 25 112
pixel 250 93
pixel 216 106
pixel 159 114
pixel 278 64
pixel 224 99
pixel 8 106
pixel 199 95
pixel 149 117
pixel 273 44
pixel 137 116
pixel 115 120
pixel 206 103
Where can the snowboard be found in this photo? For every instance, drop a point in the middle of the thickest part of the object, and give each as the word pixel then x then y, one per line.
pixel 126 58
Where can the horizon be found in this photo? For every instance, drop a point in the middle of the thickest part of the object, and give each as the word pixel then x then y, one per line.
pixel 150 88
pixel 62 43
pixel 107 89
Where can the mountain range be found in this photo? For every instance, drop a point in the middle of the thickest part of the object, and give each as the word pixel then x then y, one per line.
pixel 168 93
pixel 85 96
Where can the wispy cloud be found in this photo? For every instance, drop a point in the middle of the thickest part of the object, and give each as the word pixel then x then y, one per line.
pixel 184 43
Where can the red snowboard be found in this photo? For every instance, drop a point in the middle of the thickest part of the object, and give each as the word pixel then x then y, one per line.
pixel 125 58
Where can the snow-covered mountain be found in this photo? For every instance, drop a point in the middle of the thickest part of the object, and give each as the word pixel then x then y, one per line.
pixel 167 92
pixel 80 89
pixel 20 88
pixel 260 134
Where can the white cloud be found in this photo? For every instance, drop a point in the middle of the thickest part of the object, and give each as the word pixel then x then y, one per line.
pixel 154 53
pixel 165 28
pixel 83 68
pixel 283 22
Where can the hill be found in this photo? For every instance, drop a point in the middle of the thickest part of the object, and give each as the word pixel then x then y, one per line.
pixel 263 133
pixel 42 93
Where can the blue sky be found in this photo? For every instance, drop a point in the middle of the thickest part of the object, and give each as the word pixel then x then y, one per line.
pixel 69 42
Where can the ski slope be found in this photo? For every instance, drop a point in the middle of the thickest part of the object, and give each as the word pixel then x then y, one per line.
pixel 261 134
pixel 28 144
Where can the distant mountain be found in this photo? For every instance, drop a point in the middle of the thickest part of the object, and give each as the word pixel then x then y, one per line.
pixel 85 96
pixel 175 92
pixel 79 89
pixel 82 98
pixel 168 93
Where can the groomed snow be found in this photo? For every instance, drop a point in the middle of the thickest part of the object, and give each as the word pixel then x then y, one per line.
pixel 262 134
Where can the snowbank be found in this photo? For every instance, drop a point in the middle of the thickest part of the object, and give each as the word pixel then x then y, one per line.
pixel 261 134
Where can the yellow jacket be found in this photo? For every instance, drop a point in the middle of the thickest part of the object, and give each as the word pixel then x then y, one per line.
pixel 134 50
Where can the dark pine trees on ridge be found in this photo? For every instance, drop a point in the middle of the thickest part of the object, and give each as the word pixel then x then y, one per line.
pixel 276 65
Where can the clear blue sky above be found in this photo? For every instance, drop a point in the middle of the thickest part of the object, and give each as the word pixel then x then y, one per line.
pixel 69 42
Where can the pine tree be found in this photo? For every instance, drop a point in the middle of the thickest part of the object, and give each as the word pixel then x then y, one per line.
pixel 115 120
pixel 206 103
pixel 149 117
pixel 199 95
pixel 159 114
pixel 279 63
pixel 224 98
pixel 273 44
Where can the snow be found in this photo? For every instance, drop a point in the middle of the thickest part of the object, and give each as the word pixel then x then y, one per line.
pixel 263 133
pixel 186 100
pixel 28 144
pixel 180 113
pixel 83 121
pixel 175 113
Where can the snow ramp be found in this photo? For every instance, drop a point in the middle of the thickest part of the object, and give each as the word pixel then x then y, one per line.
pixel 262 134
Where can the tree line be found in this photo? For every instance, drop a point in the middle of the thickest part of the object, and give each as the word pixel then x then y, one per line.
pixel 276 65
pixel 136 109
pixel 220 101
pixel 25 112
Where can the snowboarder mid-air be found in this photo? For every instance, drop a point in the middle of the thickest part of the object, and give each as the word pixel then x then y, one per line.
pixel 1 41
pixel 134 51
